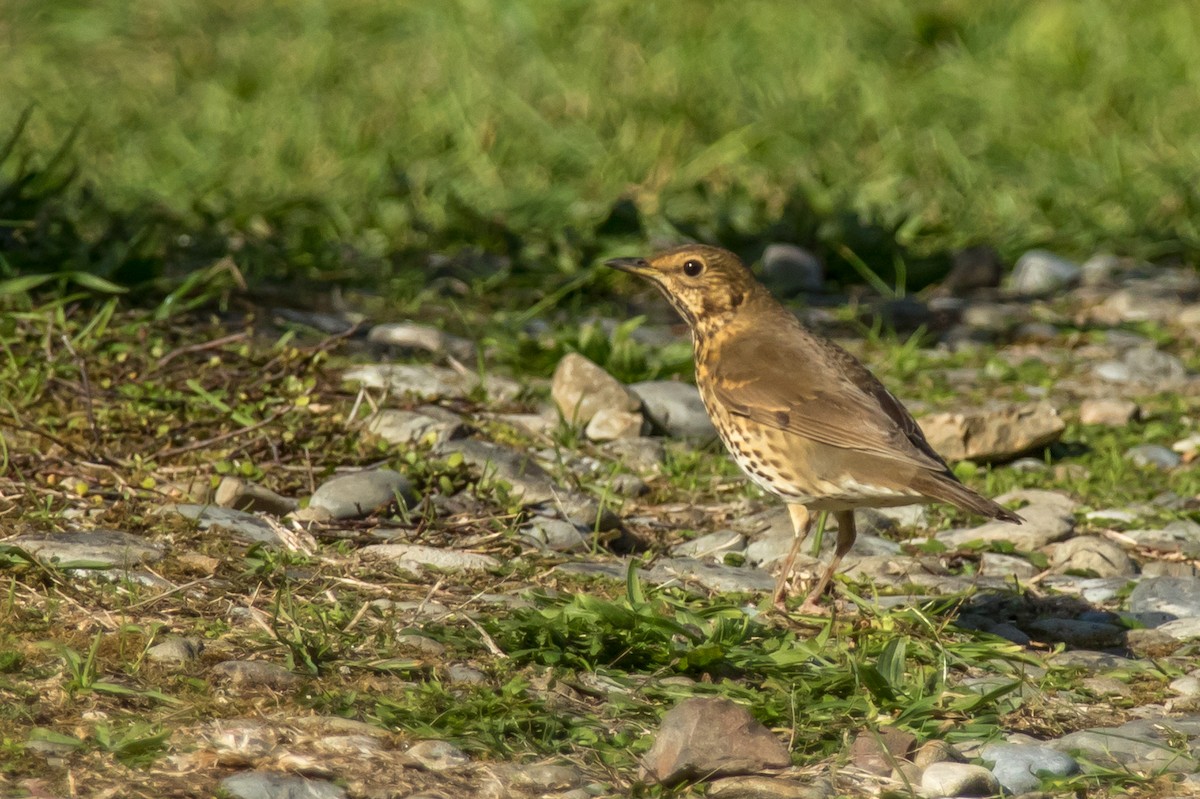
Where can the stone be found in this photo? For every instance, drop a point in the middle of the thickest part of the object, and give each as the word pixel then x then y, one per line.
pixel 712 546
pixel 879 751
pixel 1094 555
pixel 676 409
pixel 103 549
pixel 465 675
pixel 556 535
pixel 608 424
pixel 1184 629
pixel 758 787
pixel 1162 599
pixel 1018 767
pixel 958 779
pixel 419 556
pixel 238 494
pixel 713 576
pixel 993 434
pixel 1108 411
pixel 1049 517
pixel 423 338
pixel 790 270
pixel 270 785
pixel 1155 455
pixel 1187 685
pixel 243 525
pixel 706 737
pixel 437 755
pixel 431 383
pixel 643 455
pixel 254 674
pixel 1100 269
pixel 176 650
pixel 360 494
pixel 1181 536
pixel 581 388
pixel 405 428
pixel 1148 745
pixel 542 779
pixel 1143 365
pixel 936 751
pixel 1040 272
pixel 995 564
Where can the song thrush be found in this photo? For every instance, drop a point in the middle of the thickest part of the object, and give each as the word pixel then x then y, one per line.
pixel 800 415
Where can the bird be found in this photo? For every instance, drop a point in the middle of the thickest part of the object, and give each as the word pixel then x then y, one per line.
pixel 801 416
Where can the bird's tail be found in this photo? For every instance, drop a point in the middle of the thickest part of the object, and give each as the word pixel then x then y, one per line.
pixel 945 488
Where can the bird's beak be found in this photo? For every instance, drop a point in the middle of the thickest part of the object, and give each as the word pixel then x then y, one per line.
pixel 636 266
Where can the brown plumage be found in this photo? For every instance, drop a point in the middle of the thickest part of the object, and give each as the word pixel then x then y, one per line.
pixel 800 415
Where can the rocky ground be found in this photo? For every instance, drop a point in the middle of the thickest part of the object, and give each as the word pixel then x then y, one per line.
pixel 387 563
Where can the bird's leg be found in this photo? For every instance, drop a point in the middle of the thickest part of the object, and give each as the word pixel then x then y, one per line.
pixel 801 522
pixel 845 540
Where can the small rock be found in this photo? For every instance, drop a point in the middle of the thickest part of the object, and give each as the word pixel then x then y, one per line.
pixel 1149 745
pixel 353 496
pixel 936 751
pixel 1145 365
pixel 1187 685
pixel 103 549
pixel 556 535
pixel 243 525
pixel 1185 629
pixel 432 382
pixel 790 270
pixel 1049 517
pixel 1095 555
pixel 1040 272
pixel 1162 599
pixel 713 545
pixel 437 755
pixel 958 779
pixel 1108 411
pixel 757 787
pixel 879 751
pixel 1149 642
pixel 643 455
pixel 1089 661
pixel 1018 767
pixel 994 564
pixel 676 409
pixel 1153 455
pixel 238 494
pixel 1100 269
pixel 542 779
pixel 608 424
pixel 464 675
pixel 412 336
pixel 993 434
pixel 255 673
pixel 269 785
pixel 701 738
pixel 713 576
pixel 419 555
pixel 1180 536
pixel 176 650
pixel 580 389
pixel 414 427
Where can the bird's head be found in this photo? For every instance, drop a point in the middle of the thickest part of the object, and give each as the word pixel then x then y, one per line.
pixel 707 285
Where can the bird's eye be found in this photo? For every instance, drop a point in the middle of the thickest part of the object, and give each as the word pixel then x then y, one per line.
pixel 693 267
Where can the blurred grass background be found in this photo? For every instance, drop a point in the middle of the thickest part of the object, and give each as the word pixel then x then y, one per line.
pixel 347 138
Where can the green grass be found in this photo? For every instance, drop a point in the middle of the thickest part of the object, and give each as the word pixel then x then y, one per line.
pixel 891 128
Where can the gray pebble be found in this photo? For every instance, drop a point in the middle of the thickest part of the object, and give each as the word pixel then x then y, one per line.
pixel 270 785
pixel 95 548
pixel 438 755
pixel 1153 455
pixel 713 545
pixel 1040 272
pixel 353 496
pixel 1158 599
pixel 790 270
pixel 675 408
pixel 176 650
pixel 1017 766
pixel 556 535
pixel 958 779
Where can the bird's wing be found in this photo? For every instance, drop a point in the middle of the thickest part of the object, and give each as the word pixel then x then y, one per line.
pixel 813 388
